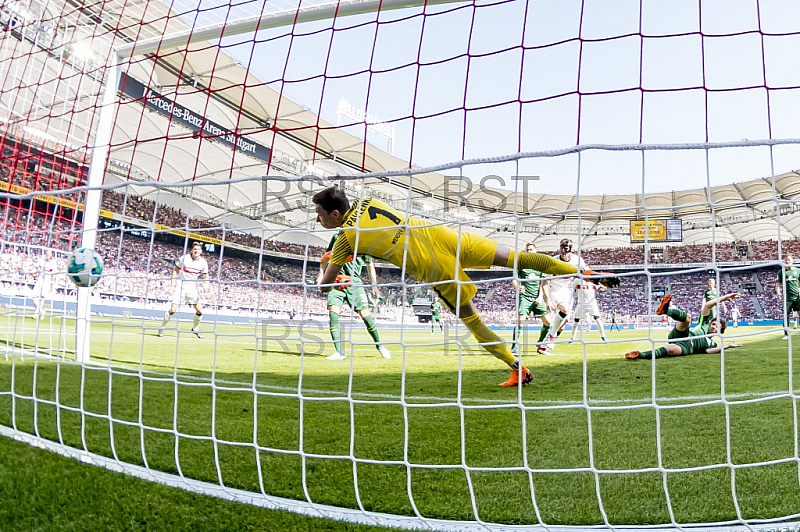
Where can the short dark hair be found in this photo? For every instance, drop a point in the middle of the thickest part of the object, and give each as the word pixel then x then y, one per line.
pixel 197 244
pixel 722 326
pixel 332 199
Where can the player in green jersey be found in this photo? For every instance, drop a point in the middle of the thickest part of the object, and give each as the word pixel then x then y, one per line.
pixel 711 294
pixel 614 321
pixel 791 302
pixel 436 314
pixel 685 339
pixel 534 301
pixel 353 295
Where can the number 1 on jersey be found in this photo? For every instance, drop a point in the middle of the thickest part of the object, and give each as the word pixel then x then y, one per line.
pixel 375 211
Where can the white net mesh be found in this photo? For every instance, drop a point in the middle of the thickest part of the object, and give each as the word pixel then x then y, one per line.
pixel 139 130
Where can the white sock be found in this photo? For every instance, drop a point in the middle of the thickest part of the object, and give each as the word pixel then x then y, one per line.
pixel 600 326
pixel 575 330
pixel 557 320
pixel 196 321
pixel 167 317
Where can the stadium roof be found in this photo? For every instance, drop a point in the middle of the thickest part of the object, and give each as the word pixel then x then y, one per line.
pixel 148 146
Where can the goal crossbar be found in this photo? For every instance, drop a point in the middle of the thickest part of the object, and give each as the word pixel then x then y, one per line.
pixel 267 21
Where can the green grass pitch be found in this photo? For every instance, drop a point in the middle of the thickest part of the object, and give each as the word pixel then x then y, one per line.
pixel 588 424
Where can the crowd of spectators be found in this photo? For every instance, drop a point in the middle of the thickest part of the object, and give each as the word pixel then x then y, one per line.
pixel 139 268
pixel 30 169
pixel 149 211
pixel 763 250
pixel 677 254
pixel 773 307
pixel 30 228
pixel 628 255
pixel 639 296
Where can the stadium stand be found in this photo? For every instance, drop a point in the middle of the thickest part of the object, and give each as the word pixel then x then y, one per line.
pixel 151 212
pixel 279 283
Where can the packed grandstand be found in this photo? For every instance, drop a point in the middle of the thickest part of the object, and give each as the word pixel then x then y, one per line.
pixel 278 275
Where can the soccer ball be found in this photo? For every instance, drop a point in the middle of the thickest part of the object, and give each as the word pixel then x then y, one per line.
pixel 85 267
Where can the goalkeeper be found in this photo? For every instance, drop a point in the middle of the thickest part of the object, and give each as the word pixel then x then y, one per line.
pixel 687 340
pixel 353 295
pixel 432 253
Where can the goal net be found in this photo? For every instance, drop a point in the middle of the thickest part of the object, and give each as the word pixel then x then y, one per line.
pixel 186 143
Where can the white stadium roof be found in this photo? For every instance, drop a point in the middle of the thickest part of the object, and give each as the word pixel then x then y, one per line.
pixel 146 146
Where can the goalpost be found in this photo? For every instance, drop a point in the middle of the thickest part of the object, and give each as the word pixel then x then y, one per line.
pixel 147 128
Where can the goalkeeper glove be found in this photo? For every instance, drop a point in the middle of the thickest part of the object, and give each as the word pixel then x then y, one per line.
pixel 607 279
pixel 343 281
pixel 329 254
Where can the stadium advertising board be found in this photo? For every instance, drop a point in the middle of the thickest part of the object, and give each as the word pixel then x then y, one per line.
pixel 194 121
pixel 664 230
pixel 58 200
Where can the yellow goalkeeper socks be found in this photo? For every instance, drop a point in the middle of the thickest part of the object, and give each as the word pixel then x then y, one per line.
pixel 488 340
pixel 540 262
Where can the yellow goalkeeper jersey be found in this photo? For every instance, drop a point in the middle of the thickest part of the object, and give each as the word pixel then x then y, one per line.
pixel 430 252
pixel 376 229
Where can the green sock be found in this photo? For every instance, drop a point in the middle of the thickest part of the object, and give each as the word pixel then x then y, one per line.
pixel 545 330
pixel 372 329
pixel 676 314
pixel 336 334
pixel 540 262
pixel 514 337
pixel 660 352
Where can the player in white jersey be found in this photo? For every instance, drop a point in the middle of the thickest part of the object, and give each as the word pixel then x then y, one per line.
pixel 46 267
pixel 185 277
pixel 587 307
pixel 562 293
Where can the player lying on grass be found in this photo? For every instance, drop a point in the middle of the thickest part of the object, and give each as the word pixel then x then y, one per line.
pixel 430 253
pixel 687 340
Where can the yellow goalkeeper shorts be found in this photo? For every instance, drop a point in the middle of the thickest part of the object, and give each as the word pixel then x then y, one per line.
pixel 435 256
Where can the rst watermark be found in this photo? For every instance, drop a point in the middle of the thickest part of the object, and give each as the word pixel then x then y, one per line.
pixel 491 192
pixel 312 338
pixel 458 191
pixel 301 337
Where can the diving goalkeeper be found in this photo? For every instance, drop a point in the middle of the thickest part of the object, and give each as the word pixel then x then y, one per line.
pixel 431 253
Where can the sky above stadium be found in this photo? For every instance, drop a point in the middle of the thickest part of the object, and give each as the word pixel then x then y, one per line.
pixel 509 77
